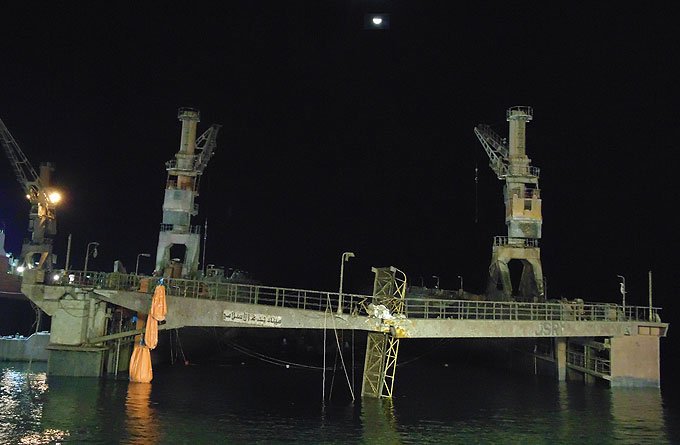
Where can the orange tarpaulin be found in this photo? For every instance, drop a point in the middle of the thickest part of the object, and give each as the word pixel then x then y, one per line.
pixel 140 365
pixel 140 362
pixel 158 306
pixel 151 332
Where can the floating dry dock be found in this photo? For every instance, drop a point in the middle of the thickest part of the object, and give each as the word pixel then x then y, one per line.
pixel 604 341
pixel 91 312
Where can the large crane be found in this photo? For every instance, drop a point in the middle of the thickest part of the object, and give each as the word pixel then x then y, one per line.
pixel 181 190
pixel 36 251
pixel 523 216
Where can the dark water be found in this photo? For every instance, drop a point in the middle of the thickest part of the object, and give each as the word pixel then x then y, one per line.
pixel 258 402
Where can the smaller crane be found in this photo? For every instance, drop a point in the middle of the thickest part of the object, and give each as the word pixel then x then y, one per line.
pixel 36 251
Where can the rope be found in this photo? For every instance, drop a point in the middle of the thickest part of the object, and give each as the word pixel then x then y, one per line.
pixel 181 349
pixel 342 359
pixel 323 379
pixel 270 359
pixel 438 345
pixel 172 351
pixel 353 364
pixel 335 366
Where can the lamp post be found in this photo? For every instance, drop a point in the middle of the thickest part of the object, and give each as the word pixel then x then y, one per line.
pixel 87 254
pixel 545 287
pixel 345 257
pixel 460 277
pixel 623 294
pixel 436 286
pixel 145 255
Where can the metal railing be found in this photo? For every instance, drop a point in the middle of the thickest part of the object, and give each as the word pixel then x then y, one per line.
pixel 515 310
pixel 597 364
pixel 216 290
pixel 180 228
pixel 424 308
pixel 523 170
pixel 514 242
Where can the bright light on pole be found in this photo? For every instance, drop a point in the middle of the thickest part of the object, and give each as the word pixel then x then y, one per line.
pixel 145 255
pixel 436 286
pixel 87 254
pixel 345 257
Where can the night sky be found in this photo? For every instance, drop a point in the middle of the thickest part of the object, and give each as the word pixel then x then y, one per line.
pixel 336 138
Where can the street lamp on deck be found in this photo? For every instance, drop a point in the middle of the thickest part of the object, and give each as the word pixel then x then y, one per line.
pixel 345 257
pixel 145 255
pixel 623 294
pixel 87 254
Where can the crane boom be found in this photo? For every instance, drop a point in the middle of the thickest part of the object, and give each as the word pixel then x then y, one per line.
pixel 206 143
pixel 495 147
pixel 42 224
pixel 24 171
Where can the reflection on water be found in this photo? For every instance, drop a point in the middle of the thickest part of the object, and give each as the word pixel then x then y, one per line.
pixel 141 421
pixel 22 391
pixel 255 403
pixel 637 414
pixel 379 423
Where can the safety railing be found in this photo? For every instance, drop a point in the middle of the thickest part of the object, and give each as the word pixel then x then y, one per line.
pixel 523 170
pixel 596 364
pixel 356 304
pixel 218 290
pixel 514 242
pixel 179 228
pixel 515 310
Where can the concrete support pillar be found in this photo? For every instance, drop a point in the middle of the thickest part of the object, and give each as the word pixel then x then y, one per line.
pixel 635 359
pixel 561 358
pixel 77 318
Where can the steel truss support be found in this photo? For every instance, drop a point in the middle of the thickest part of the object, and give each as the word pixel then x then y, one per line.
pixel 380 366
pixel 382 348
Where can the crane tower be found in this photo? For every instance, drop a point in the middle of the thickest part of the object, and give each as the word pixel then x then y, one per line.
pixel 181 190
pixel 523 216
pixel 36 251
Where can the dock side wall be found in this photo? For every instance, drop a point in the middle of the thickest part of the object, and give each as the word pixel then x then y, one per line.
pixel 635 361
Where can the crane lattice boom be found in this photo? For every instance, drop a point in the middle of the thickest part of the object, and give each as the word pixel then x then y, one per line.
pixel 42 224
pixel 495 147
pixel 24 171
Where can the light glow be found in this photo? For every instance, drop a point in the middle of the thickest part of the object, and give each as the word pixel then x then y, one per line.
pixel 377 20
pixel 55 197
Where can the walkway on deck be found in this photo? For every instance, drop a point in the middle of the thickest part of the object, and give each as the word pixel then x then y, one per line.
pixel 570 318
